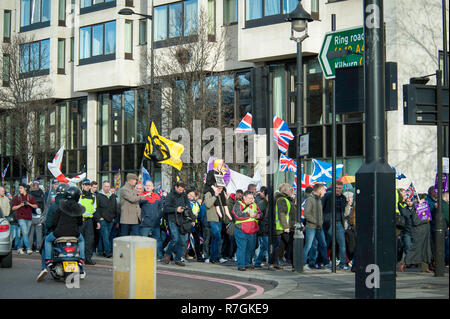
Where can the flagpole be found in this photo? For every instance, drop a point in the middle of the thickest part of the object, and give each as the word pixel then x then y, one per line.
pixel 143 156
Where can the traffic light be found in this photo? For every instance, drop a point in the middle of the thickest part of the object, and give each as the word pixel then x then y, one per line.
pixel 420 107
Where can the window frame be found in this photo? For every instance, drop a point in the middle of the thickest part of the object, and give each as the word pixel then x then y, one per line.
pixel 40 71
pixel 170 41
pixel 106 4
pixel 101 57
pixel 129 55
pixel 265 20
pixel 61 70
pixel 236 13
pixel 7 39
pixel 36 25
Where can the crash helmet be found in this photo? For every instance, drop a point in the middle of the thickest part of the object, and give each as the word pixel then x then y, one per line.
pixel 72 193
pixel 61 189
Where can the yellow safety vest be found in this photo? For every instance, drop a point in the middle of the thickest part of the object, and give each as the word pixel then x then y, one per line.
pixel 278 225
pixel 253 207
pixel 90 205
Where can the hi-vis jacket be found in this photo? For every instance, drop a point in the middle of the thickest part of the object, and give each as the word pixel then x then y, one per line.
pixel 89 202
pixel 243 221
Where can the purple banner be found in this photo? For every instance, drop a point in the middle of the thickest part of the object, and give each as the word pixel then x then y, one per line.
pixel 444 183
pixel 423 211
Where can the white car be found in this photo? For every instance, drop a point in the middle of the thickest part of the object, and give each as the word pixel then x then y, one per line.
pixel 5 243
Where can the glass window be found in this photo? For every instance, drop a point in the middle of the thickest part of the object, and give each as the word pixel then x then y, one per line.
pixel 128 99
pixel 73 134
pixel 103 158
pixel 45 10
pixel 97 40
pixel 315 141
pixel 45 54
pixel 82 107
pixel 62 10
pixel 110 37
pixel 142 115
pixel 143 31
pixel 328 140
pixel 271 7
pixel 116 157
pixel 104 119
pixel 191 17
pixel 253 9
pixel 230 11
pixel 72 48
pixel 73 161
pixel 352 165
pixel 7 26
pixel 289 5
pixel 61 55
pixel 128 39
pixel 314 90
pixel 160 32
pixel 34 11
pixel 25 13
pixel 211 17
pixel 354 139
pixel 63 124
pixel 278 93
pixel 129 158
pixel 175 20
pixel 116 118
pixel 85 42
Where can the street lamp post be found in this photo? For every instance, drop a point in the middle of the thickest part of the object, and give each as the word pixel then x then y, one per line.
pixel 299 19
pixel 129 12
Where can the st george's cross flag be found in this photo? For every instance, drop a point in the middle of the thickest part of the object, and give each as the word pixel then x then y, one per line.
pixel 287 164
pixel 281 134
pixel 245 126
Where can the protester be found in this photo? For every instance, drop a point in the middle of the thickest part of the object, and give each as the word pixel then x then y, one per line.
pixel 260 195
pixel 214 215
pixel 341 204
pixel 400 221
pixel 90 220
pixel 350 227
pixel 107 208
pixel 23 204
pixel 151 213
pixel 246 214
pixel 314 221
pixel 432 200
pixel 416 236
pixel 129 207
pixel 446 217
pixel 285 217
pixel 94 187
pixel 5 203
pixel 193 197
pixel 36 225
pixel 264 229
pixel 179 215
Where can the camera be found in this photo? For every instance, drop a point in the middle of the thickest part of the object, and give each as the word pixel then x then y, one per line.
pixel 25 202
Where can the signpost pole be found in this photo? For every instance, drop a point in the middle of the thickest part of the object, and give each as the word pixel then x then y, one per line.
pixel 333 170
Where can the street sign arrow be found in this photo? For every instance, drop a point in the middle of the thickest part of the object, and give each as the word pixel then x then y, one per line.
pixel 350 42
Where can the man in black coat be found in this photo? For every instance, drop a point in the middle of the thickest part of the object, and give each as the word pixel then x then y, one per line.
pixel 341 203
pixel 177 208
pixel 106 213
pixel 263 231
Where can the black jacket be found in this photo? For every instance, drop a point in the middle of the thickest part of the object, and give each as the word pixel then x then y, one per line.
pixel 67 219
pixel 327 206
pixel 50 213
pixel 39 198
pixel 408 213
pixel 264 222
pixel 172 202
pixel 106 207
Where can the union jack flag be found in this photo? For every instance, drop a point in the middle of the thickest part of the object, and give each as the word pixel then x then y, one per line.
pixel 287 164
pixel 281 134
pixel 411 191
pixel 307 181
pixel 302 218
pixel 246 125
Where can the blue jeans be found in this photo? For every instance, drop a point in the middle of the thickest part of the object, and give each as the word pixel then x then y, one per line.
pixel 340 240
pixel 15 236
pixel 49 246
pixel 246 244
pixel 177 242
pixel 407 242
pixel 276 243
pixel 25 226
pixel 104 240
pixel 129 229
pixel 155 233
pixel 263 249
pixel 215 229
pixel 312 233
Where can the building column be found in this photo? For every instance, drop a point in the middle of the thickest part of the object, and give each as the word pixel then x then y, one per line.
pixel 92 157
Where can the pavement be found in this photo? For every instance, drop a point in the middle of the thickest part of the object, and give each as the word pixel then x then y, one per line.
pixel 314 284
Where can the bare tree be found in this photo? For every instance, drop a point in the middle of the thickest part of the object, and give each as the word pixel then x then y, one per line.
pixel 186 73
pixel 25 94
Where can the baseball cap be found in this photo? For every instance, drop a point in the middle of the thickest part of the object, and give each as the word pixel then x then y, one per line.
pixel 86 182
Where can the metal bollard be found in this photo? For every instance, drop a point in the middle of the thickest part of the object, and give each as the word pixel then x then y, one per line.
pixel 134 261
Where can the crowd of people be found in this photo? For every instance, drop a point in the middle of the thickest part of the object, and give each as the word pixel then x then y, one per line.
pixel 216 227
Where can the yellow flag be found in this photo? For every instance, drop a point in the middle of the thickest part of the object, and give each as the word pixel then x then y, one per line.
pixel 163 150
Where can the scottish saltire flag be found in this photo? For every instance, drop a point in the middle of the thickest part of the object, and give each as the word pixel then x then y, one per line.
pixel 398 175
pixel 323 171
pixel 281 134
pixel 287 164
pixel 246 125
pixel 145 176
pixel 4 173
pixel 411 191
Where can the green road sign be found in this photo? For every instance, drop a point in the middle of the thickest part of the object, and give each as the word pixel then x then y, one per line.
pixel 351 44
